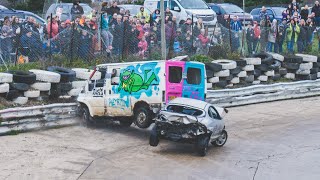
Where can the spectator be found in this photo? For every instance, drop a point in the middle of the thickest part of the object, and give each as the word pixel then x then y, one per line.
pixel 289 9
pixel 53 28
pixel 105 8
pixel 168 13
pixel 294 4
pixel 144 14
pixel 263 14
pixel 118 36
pixel 187 26
pixel 143 47
pixel 6 43
pixel 170 34
pixel 62 27
pixel 204 42
pixel 84 45
pixel 27 43
pixel 236 27
pixel 302 37
pixel 143 20
pixel 76 10
pixel 114 9
pixel 295 10
pixel 188 43
pixel 256 38
pixel 272 36
pixel 113 21
pixel 250 38
pixel 156 14
pixel 281 34
pixel 293 31
pixel 127 13
pixel 305 12
pixel 316 11
pixel 199 25
pixel 310 31
pixel 106 34
pixel 284 14
pixel 16 28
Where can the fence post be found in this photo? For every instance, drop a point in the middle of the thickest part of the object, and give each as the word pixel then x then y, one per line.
pixel 71 43
pixel 192 35
pixel 230 38
pixel 50 37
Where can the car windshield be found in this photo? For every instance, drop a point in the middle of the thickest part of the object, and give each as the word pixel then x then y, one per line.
pixel 278 11
pixel 229 8
pixel 193 4
pixel 184 110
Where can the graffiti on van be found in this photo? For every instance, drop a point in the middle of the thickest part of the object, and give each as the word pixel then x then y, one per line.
pixel 118 103
pixel 135 80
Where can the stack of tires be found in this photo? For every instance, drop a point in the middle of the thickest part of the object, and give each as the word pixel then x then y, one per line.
pixel 269 69
pixel 224 73
pixel 253 73
pixel 5 79
pixel 301 67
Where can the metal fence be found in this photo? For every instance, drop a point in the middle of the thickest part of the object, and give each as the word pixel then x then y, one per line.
pixel 128 41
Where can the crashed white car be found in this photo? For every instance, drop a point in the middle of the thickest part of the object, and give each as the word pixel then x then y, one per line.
pixel 190 121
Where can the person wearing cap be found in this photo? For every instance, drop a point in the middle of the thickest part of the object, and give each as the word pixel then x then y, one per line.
pixel 281 34
pixel 292 31
pixel 76 9
pixel 143 13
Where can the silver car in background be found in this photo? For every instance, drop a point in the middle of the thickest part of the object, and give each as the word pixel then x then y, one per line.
pixel 190 121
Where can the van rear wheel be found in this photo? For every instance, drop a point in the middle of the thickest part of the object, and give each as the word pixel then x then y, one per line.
pixel 142 117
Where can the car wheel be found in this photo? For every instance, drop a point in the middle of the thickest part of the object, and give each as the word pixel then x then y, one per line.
pixel 142 117
pixel 126 122
pixel 87 119
pixel 154 138
pixel 202 145
pixel 221 140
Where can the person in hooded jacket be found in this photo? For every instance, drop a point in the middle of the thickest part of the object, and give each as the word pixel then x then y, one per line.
pixel 76 10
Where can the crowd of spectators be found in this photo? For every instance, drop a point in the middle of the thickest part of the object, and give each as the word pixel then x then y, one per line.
pixel 139 34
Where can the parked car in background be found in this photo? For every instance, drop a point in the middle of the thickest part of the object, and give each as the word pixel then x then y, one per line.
pixel 3 7
pixel 184 9
pixel 65 10
pixel 134 9
pixel 273 13
pixel 190 121
pixel 22 15
pixel 232 10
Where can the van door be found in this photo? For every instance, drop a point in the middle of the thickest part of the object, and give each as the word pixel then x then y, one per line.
pixel 194 81
pixel 174 81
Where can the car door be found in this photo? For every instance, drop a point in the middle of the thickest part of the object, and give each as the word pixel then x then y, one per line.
pixel 216 123
pixel 194 81
pixel 174 81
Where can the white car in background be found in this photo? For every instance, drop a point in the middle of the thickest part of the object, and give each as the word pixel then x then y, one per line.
pixel 190 121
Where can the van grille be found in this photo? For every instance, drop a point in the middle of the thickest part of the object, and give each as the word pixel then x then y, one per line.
pixel 206 17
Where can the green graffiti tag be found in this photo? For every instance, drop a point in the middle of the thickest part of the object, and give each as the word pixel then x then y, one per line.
pixel 133 82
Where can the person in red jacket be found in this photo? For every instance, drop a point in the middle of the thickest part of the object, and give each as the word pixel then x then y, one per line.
pixel 203 40
pixel 54 30
pixel 143 47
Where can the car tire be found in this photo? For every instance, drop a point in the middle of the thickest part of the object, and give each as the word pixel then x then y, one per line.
pixel 154 138
pixel 249 79
pixel 221 84
pixel 21 100
pixel 223 73
pixel 308 58
pixel 125 121
pixel 74 92
pixel 263 78
pixel 23 77
pixel 46 76
pixel 55 90
pixel 66 86
pixel 276 77
pixel 257 72
pixel 235 80
pixel 314 70
pixel 235 71
pixel 209 73
pixel 32 94
pixel 20 86
pixel 78 84
pixel 283 71
pixel 84 74
pixel 213 67
pixel 202 145
pixel 276 65
pixel 87 119
pixel 4 88
pixel 303 72
pixel 248 68
pixel 253 61
pixel 12 94
pixel 221 141
pixel 241 63
pixel 315 65
pixel 142 117
pixel 269 73
pixel 290 76
pixel 214 80
pixel 67 75
pixel 41 86
pixel 276 56
pixel 6 78
pixel 305 66
pixel 226 64
pixel 242 74
pixel 293 59
pixel 265 58
pixel 292 66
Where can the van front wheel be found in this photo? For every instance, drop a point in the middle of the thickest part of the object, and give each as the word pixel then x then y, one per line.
pixel 142 117
pixel 87 119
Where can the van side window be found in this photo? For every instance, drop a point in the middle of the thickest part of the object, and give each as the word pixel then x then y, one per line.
pixel 165 5
pixel 194 76
pixel 175 74
pixel 173 4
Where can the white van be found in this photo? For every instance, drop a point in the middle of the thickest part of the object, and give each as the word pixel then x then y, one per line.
pixel 184 9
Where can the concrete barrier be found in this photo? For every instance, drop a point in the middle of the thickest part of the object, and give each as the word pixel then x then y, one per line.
pixel 38 117
pixel 263 93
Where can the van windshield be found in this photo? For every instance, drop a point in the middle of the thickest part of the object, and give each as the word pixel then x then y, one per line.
pixel 193 4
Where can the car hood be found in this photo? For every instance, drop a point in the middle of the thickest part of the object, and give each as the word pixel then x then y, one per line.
pixel 177 117
pixel 201 11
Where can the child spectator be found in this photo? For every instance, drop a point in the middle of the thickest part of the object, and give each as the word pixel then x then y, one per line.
pixel 143 47
pixel 250 38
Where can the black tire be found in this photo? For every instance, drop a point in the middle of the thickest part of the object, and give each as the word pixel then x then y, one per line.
pixel 257 72
pixel 23 77
pixel 315 65
pixel 12 94
pixel 213 67
pixel 222 84
pixel 19 86
pixel 67 75
pixel 293 59
pixel 314 70
pixel 87 119
pixel 154 138
pixel 306 77
pixel 264 67
pixel 202 144
pixel 221 141
pixel 65 86
pixel 241 63
pixel 229 78
pixel 318 60
pixel 265 58
pixel 209 73
pixel 292 66
pixel 249 79
pixel 276 77
pixel 142 117
pixel 283 71
pixel 235 71
pixel 125 121
pixel 55 90
pixel 249 73
pixel 276 65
